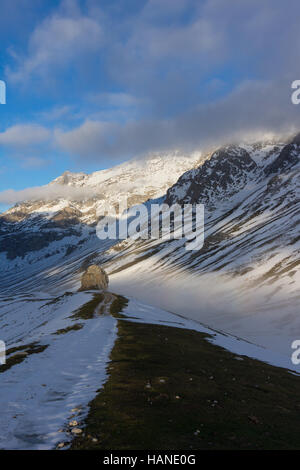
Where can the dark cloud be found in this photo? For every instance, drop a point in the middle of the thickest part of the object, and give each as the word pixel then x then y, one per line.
pixel 253 111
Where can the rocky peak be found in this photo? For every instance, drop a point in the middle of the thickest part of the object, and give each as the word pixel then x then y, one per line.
pixel 224 173
pixel 69 178
pixel 288 157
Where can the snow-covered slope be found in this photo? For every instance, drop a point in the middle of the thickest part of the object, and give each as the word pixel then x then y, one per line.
pixel 245 280
pixel 56 362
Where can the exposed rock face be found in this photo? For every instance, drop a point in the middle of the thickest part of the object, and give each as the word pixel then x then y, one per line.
pixel 288 157
pixel 94 278
pixel 226 172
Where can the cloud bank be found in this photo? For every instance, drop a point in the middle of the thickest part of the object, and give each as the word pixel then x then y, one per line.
pixel 177 74
pixel 24 135
pixel 47 193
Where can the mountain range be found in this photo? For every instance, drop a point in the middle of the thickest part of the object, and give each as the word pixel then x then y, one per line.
pixel 241 286
pixel 251 251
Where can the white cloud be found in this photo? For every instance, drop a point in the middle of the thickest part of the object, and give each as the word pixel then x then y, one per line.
pixel 56 113
pixel 55 43
pixel 183 67
pixel 46 193
pixel 22 135
pixel 118 100
pixel 91 138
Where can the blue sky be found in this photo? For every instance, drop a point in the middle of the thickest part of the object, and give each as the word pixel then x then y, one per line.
pixel 92 83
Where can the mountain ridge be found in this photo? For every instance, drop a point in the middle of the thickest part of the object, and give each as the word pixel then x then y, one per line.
pixel 245 278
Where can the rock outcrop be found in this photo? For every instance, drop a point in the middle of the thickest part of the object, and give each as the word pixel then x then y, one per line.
pixel 94 278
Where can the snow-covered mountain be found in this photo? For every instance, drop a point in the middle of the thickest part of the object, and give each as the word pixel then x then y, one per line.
pixel 137 180
pixel 55 226
pixel 241 287
pixel 244 280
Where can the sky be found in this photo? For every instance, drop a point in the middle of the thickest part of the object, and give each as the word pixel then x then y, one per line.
pixel 92 83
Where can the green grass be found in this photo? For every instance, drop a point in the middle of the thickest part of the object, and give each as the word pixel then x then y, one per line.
pixel 170 388
pixel 87 311
pixel 63 331
pixel 117 305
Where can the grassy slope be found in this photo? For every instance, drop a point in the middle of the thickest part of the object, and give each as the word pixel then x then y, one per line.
pixel 169 388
